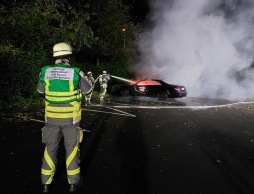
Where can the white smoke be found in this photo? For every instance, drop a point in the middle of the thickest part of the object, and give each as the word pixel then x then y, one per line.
pixel 199 44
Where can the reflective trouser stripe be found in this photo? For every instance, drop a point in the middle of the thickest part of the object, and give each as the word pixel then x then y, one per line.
pixel 81 134
pixel 47 172
pixel 73 172
pixel 51 165
pixel 88 96
pixel 71 156
pixel 68 162
pixel 102 94
pixel 103 90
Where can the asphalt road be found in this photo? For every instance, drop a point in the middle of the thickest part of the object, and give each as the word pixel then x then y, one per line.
pixel 185 146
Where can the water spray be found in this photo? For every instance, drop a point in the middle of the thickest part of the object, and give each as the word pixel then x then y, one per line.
pixel 122 79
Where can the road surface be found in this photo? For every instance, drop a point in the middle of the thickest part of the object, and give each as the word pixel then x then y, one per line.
pixel 185 146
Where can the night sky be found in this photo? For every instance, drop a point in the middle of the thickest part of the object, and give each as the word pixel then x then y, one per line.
pixel 140 9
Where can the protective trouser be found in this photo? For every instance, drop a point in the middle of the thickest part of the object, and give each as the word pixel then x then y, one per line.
pixel 103 90
pixel 88 98
pixel 51 136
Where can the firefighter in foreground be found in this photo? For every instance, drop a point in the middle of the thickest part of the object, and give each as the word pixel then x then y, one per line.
pixel 90 78
pixel 103 80
pixel 62 86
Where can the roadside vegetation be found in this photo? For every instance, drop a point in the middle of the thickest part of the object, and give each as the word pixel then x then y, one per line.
pixel 102 34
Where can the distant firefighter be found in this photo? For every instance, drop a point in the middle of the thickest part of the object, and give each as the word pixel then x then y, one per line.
pixel 103 80
pixel 90 79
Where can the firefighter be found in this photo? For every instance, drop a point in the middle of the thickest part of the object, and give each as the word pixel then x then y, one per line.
pixel 103 80
pixel 90 78
pixel 63 86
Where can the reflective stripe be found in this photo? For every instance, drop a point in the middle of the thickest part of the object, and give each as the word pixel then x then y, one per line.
pixel 75 104
pixel 71 156
pixel 65 112
pixel 49 181
pixel 62 109
pixel 47 85
pixel 71 85
pixel 62 115
pixel 104 85
pixel 62 93
pixel 61 83
pixel 68 162
pixel 47 172
pixel 76 119
pixel 81 134
pixel 48 159
pixel 62 99
pixel 73 172
pixel 51 165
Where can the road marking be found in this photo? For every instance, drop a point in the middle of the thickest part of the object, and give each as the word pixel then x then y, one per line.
pixel 110 107
pixel 119 111
pixel 125 114
pixel 150 107
pixel 37 120
pixel 182 107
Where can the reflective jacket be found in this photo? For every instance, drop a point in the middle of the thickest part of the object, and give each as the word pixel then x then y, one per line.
pixel 61 83
pixel 61 86
pixel 104 78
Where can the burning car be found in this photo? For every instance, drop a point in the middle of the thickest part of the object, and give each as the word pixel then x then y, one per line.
pixel 153 88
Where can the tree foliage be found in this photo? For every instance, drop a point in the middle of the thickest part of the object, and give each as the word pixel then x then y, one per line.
pixel 108 18
pixel 29 29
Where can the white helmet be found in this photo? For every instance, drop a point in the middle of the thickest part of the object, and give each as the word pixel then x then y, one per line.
pixel 89 73
pixel 104 72
pixel 62 49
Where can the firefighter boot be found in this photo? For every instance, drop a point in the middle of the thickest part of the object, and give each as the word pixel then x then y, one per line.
pixel 74 187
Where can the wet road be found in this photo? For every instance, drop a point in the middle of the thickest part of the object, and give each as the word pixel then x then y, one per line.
pixel 184 146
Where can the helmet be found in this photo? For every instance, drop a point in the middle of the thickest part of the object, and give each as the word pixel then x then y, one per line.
pixel 62 49
pixel 89 73
pixel 104 72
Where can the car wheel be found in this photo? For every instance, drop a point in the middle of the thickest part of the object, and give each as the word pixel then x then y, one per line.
pixel 125 92
pixel 163 95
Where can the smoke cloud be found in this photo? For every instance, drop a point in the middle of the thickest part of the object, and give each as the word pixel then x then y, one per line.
pixel 204 45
